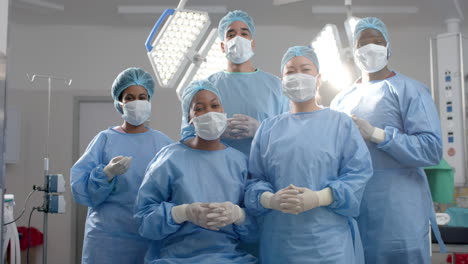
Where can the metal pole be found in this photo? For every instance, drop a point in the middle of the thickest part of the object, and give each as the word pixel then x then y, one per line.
pixel 46 172
pixel 462 84
pixel 46 215
pixel 431 63
pixel 45 205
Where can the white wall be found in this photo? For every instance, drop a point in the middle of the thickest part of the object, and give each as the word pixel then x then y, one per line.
pixel 92 57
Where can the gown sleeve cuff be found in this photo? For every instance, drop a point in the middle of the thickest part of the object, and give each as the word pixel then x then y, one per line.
pixel 337 197
pixel 389 133
pixel 169 217
pixel 252 199
pixel 98 175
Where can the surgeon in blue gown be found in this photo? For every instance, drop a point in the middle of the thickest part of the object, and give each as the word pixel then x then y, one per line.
pixel 107 177
pixel 398 119
pixel 189 203
pixel 250 95
pixel 309 168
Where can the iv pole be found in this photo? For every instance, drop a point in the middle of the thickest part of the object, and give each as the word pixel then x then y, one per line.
pixel 45 188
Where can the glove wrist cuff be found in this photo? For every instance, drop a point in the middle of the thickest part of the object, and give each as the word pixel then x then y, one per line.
pixel 241 214
pixel 265 199
pixel 179 213
pixel 325 196
pixel 109 175
pixel 378 135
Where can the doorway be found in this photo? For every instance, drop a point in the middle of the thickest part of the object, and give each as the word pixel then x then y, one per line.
pixel 91 115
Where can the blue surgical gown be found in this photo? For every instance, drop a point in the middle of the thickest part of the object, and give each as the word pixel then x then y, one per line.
pixel 315 150
pixel 111 234
pixel 397 204
pixel 256 94
pixel 183 175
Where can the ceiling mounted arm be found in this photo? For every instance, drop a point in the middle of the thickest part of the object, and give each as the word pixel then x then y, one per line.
pixel 349 11
pixel 181 4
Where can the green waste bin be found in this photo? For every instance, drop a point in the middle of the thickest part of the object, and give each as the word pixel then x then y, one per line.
pixel 441 182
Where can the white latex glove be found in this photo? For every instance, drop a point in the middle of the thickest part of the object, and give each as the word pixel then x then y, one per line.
pixel 312 199
pixel 368 131
pixel 285 200
pixel 240 127
pixel 194 212
pixel 223 214
pixel 117 166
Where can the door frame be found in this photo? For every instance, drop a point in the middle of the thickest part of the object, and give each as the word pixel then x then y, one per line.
pixel 76 239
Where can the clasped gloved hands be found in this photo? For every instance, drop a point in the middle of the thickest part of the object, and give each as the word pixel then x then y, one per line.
pixel 209 215
pixel 194 212
pixel 117 166
pixel 368 131
pixel 240 127
pixel 223 214
pixel 284 200
pixel 295 200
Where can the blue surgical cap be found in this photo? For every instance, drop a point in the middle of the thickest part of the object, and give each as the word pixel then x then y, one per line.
pixel 236 15
pixel 129 77
pixel 192 89
pixel 370 22
pixel 295 51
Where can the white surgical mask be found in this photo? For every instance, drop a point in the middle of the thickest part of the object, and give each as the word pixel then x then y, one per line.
pixel 299 87
pixel 136 112
pixel 238 50
pixel 371 57
pixel 210 126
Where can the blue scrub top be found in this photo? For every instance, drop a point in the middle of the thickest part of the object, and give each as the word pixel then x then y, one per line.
pixel 315 150
pixel 111 233
pixel 397 203
pixel 183 175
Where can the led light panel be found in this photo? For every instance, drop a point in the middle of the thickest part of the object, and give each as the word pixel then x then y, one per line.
pixel 175 43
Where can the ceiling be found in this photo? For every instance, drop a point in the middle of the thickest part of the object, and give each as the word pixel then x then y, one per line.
pixel 431 13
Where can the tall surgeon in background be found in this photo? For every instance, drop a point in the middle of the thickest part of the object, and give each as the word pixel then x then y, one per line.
pixel 249 94
pixel 107 177
pixel 398 119
pixel 190 200
pixel 309 168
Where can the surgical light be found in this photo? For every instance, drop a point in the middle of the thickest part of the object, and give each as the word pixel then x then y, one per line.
pixel 327 45
pixel 213 61
pixel 176 35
